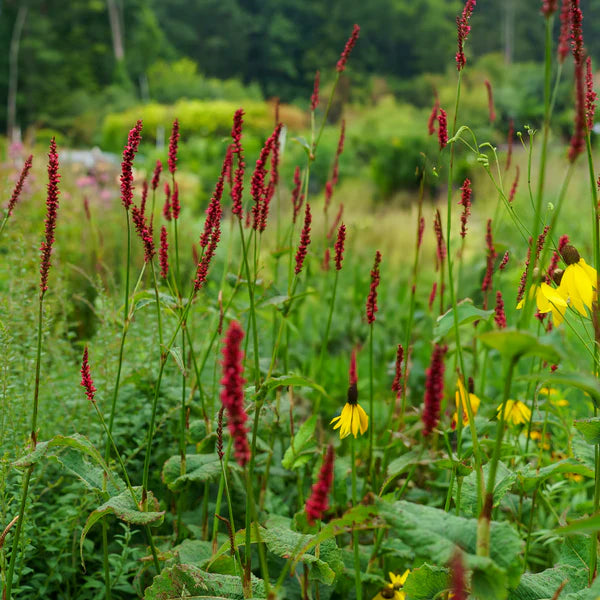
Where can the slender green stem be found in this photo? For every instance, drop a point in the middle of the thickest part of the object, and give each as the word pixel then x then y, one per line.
pixel 357 581
pixel 105 563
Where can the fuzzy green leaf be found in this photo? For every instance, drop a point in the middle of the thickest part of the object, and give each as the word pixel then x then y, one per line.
pixel 589 429
pixel 466 313
pixel 298 443
pixel 199 468
pixel 426 582
pixel 513 344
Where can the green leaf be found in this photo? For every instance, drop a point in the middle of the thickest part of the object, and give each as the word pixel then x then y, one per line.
pixel 426 582
pixel 287 380
pixel 586 383
pixel 466 313
pixel 513 344
pixel 505 478
pixel 298 443
pixel 589 429
pixel 175 352
pixel 199 467
pixel 91 475
pixel 585 525
pixel 400 465
pixel 124 508
pixel 542 586
pixel 530 476
pixel 184 581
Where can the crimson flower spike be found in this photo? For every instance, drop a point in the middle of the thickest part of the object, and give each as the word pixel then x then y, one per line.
pixel 578 139
pixel 175 206
pixel 214 210
pixel 237 150
pixel 133 142
pixel 499 314
pixel 156 175
pixel 513 189
pixel 144 197
pixel 504 261
pixel 19 185
pixel 232 392
pixel 317 503
pixel 433 116
pixel 522 282
pixel 590 95
pixel 163 255
pixel 339 247
pixel 443 128
pixel 432 295
pixel 434 389
pixel 463 29
pixel 257 183
pixel 304 240
pixel 491 257
pixel 457 577
pixel 167 205
pixel 341 64
pixel 549 7
pixel 565 30
pixel 297 197
pixel 215 236
pixel 371 307
pixel 397 383
pixel 465 202
pixel 144 232
pixel 51 214
pixel 490 96
pixel 269 191
pixel 173 145
pixel 509 141
pixel 314 99
pixel 86 377
pixel 340 149
pixel 439 237
pixel 352 370
pixel 562 242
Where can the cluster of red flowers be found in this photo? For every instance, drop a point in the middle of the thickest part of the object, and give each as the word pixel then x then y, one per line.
pixel 86 377
pixel 439 238
pixel 465 202
pixel 156 175
pixel 19 185
pixel 317 503
pixel 339 247
pixel 434 389
pixel 314 99
pixel 304 240
pixel 499 314
pixel 51 214
pixel 237 150
pixel 433 116
pixel 397 383
pixel 503 262
pixel 144 231
pixel 133 142
pixel 173 144
pixel 167 204
pixel 232 393
pixel 144 197
pixel 443 128
pixel 565 30
pixel 463 29
pixel 491 257
pixel 590 94
pixel 163 255
pixel 562 242
pixel 577 143
pixel 297 196
pixel 372 297
pixel 175 206
pixel 549 7
pixel 523 281
pixel 341 64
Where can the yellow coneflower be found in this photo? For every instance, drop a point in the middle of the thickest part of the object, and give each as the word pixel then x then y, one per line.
pixel 393 590
pixel 548 299
pixel 515 412
pixel 537 436
pixel 578 280
pixel 353 418
pixel 554 396
pixel 461 396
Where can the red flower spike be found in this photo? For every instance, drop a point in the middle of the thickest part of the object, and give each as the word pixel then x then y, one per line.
pixel 339 247
pixel 317 503
pixel 509 142
pixel 565 30
pixel 144 232
pixel 341 64
pixel 432 295
pixel 144 197
pixel 167 204
pixel 214 210
pixel 457 577
pixel 326 259
pixel 237 150
pixel 439 236
pixel 562 242
pixel 372 308
pixel 304 240
pixel 340 149
pixel 513 189
pixel 433 116
pixel 465 202
pixel 549 7
pixel 499 314
pixel 173 144
pixel 175 206
pixel 521 291
pixel 257 184
pixel 490 96
pixel 19 185
pixel 504 261
pixel 156 175
pixel 297 198
pixel 328 195
pixel 397 383
pixel 232 392
pixel 215 236
pixel 314 99
pixel 163 255
pixel 133 142
pixel 336 222
pixel 463 29
pixel 443 128
pixel 434 389
pixel 51 214
pixel 590 95
pixel 86 377
pixel 491 257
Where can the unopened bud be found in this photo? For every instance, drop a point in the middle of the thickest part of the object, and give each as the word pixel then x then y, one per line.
pixel 557 276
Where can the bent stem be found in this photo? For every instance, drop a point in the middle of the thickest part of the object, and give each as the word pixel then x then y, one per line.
pixel 357 581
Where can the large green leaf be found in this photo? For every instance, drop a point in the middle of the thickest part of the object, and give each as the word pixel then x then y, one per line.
pixel 400 465
pixel 466 313
pixel 530 476
pixel 124 508
pixel 513 344
pixel 185 581
pixel 434 535
pixel 287 380
pixel 589 429
pixel 199 468
pixel 542 586
pixel 505 478
pixel 299 443
pixel 426 582
pixel 583 381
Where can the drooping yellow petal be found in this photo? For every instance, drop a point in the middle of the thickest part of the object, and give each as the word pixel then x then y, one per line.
pixel 363 419
pixel 550 299
pixel 578 288
pixel 590 272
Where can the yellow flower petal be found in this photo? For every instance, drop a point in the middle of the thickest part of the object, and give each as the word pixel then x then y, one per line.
pixel 363 419
pixel 576 284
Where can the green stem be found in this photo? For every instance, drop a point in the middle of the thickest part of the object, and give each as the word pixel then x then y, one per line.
pixel 357 581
